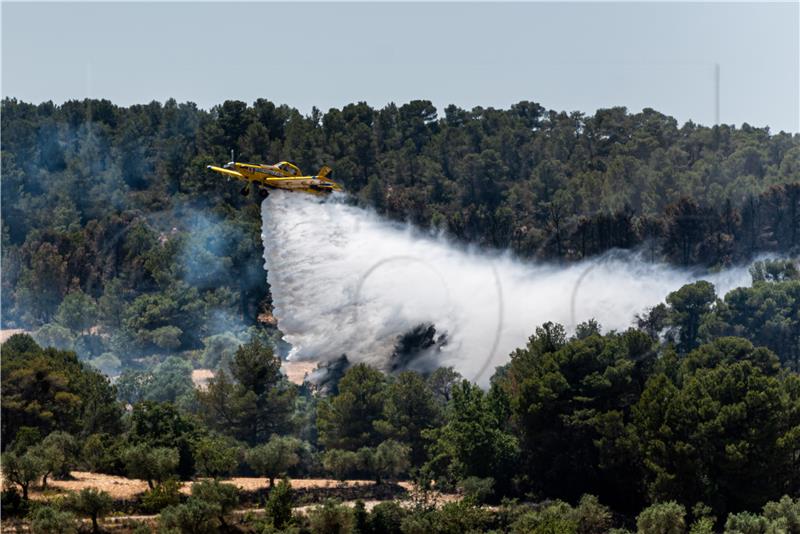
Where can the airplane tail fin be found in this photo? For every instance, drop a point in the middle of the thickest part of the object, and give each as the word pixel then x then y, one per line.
pixel 324 171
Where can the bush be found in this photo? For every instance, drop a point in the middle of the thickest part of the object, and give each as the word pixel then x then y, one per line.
pixel 360 517
pixel 100 453
pixel 703 525
pixel 553 518
pixel 662 518
pixel 592 517
pixel 476 489
pixel 92 503
pixel 279 504
pixel 222 498
pixel 49 520
pixel 164 494
pixel 331 518
pixel 11 503
pixel 461 516
pixel 194 517
pixel 141 528
pixel 386 517
pixel 746 523
pixel 785 514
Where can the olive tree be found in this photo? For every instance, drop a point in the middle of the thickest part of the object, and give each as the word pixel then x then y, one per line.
pixel 153 464
pixel 22 470
pixel 274 458
pixel 92 503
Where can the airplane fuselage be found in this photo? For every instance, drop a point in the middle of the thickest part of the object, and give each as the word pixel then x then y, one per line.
pixel 282 175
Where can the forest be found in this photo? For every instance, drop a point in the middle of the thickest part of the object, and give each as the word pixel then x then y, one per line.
pixel 126 266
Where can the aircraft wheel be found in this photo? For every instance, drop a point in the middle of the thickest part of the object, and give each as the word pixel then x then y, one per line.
pixel 244 191
pixel 263 192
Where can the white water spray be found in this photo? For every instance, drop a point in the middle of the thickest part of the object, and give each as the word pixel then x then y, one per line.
pixel 346 281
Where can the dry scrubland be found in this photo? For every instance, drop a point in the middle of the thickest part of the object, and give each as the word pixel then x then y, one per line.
pixel 122 488
pixel 127 489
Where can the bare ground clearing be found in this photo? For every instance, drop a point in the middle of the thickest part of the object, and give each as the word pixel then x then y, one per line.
pixel 122 488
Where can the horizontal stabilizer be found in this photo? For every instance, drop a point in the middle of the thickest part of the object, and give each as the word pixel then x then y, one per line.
pixel 324 172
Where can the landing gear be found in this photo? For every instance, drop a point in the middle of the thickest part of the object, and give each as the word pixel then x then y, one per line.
pixel 245 191
pixel 263 193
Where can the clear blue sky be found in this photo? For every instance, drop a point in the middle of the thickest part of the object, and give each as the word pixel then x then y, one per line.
pixel 566 56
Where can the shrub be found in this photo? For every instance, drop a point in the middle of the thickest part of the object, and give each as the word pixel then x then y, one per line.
pixel 194 517
pixel 662 518
pixel 164 494
pixel 592 517
pixel 331 518
pixel 222 498
pixel 141 528
pixel 703 525
pixel 279 504
pixel 476 489
pixel 785 514
pixel 49 520
pixel 92 503
pixel 461 516
pixel 100 453
pixel 11 503
pixel 746 523
pixel 386 517
pixel 360 517
pixel 553 518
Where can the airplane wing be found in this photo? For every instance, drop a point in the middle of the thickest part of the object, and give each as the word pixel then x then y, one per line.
pixel 287 179
pixel 227 172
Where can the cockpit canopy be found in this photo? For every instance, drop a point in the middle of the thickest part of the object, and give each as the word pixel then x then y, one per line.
pixel 289 168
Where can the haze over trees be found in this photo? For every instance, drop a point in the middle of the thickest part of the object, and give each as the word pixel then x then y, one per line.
pixel 119 245
pixel 709 422
pixel 124 258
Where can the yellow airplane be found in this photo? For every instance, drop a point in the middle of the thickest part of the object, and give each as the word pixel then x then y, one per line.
pixel 282 175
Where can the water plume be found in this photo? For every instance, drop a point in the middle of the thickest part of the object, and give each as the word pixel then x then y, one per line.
pixel 346 281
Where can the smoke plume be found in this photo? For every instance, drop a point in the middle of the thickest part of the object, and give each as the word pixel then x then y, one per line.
pixel 346 281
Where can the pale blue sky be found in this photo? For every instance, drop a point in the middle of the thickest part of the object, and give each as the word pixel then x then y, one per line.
pixel 566 56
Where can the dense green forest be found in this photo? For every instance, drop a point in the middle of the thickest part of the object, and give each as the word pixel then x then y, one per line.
pixel 693 426
pixel 117 242
pixel 123 257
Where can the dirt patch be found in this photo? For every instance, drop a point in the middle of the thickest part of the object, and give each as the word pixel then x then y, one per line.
pixel 296 372
pixel 200 377
pixel 120 488
pixel 8 332
pixel 124 489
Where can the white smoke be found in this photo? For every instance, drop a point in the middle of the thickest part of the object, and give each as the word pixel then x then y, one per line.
pixel 346 281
